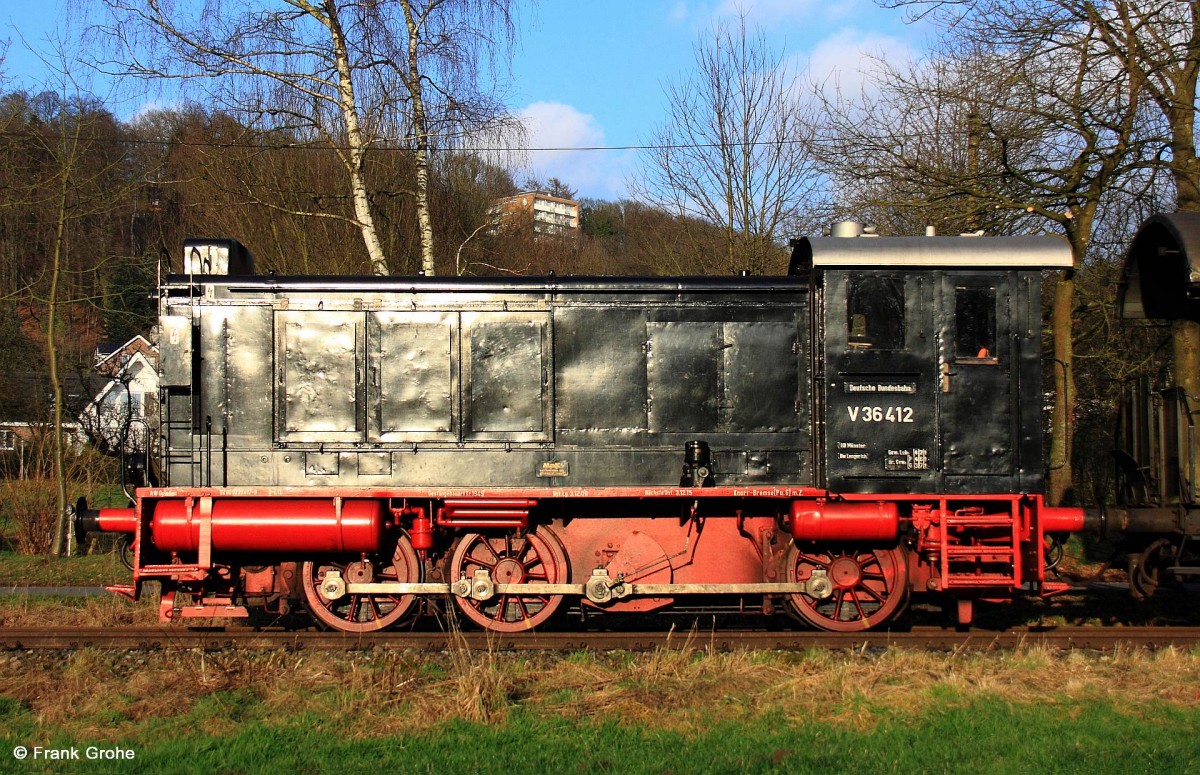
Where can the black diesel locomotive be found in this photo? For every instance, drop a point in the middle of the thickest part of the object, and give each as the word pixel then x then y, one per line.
pixel 825 443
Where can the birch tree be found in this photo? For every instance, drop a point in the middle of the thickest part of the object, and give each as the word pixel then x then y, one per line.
pixel 354 76
pixel 449 67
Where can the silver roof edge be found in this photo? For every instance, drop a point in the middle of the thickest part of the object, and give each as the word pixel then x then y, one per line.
pixel 1026 252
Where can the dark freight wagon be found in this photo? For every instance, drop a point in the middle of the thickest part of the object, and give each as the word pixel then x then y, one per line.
pixel 824 443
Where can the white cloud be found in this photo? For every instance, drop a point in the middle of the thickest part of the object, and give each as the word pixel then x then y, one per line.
pixel 554 125
pixel 555 134
pixel 849 59
pixel 770 14
pixel 149 107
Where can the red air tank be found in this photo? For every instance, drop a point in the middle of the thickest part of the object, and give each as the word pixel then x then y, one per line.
pixel 853 521
pixel 272 525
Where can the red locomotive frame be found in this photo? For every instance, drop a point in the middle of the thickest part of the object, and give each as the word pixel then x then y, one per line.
pixel 509 558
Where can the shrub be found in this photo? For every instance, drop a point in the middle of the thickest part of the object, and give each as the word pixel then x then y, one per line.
pixel 29 505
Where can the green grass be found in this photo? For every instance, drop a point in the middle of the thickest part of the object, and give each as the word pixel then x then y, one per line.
pixel 108 496
pixel 381 711
pixel 986 735
pixel 39 570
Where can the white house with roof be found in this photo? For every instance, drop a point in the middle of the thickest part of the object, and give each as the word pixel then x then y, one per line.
pixel 117 416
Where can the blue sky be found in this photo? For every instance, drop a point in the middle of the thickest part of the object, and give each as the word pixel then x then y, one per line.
pixel 593 73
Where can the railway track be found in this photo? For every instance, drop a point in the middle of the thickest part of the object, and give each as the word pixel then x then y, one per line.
pixel 936 638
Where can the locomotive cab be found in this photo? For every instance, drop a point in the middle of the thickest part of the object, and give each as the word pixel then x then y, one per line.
pixel 930 349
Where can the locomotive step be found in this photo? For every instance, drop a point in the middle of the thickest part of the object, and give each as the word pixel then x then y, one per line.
pixel 960 581
pixel 979 551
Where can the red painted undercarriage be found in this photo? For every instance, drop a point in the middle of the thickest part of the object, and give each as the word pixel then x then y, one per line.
pixel 363 560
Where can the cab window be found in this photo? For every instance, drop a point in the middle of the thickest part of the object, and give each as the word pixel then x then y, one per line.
pixel 875 313
pixel 975 323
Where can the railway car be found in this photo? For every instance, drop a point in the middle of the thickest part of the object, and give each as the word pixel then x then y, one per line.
pixel 824 444
pixel 1157 511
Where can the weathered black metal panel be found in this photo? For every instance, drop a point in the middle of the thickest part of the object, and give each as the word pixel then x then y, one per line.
pixel 175 350
pixel 384 382
pixel 683 376
pixel 413 367
pixel 320 375
pixel 979 374
pixel 1027 339
pixel 508 396
pixel 248 367
pixel 600 363
pixel 761 377
pixel 880 397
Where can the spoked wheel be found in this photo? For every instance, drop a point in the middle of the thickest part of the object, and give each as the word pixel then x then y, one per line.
pixel 861 589
pixel 535 557
pixel 1145 573
pixel 363 613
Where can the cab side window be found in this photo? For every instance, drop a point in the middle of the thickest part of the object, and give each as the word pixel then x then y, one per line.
pixel 875 313
pixel 975 323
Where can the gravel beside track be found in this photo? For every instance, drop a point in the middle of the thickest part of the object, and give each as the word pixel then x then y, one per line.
pixel 166 638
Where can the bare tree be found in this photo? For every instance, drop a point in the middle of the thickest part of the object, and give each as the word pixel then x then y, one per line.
pixel 736 149
pixel 66 179
pixel 1159 41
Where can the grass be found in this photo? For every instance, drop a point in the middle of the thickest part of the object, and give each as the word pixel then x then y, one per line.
pixel 1026 711
pixel 107 610
pixel 981 737
pixel 39 570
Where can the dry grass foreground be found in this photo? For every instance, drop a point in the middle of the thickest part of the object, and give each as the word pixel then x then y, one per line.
pixel 107 610
pixel 97 695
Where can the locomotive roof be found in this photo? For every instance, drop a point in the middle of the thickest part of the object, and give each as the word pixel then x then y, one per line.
pixel 540 284
pixel 931 252
pixel 1161 276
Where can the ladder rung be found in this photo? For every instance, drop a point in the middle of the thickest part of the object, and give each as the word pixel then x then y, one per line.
pixel 1003 519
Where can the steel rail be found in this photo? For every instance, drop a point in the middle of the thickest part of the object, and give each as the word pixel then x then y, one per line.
pixel 166 637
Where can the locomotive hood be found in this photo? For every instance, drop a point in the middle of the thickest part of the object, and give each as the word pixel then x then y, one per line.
pixel 1161 276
